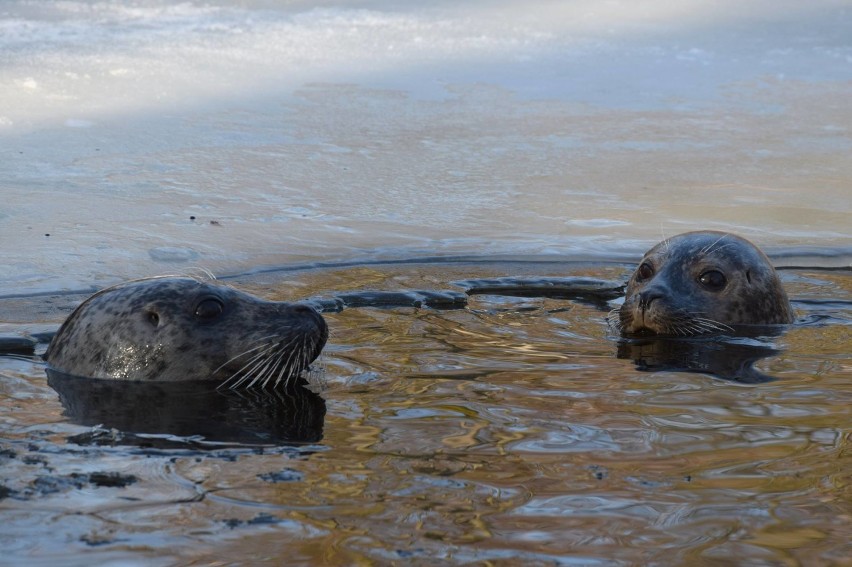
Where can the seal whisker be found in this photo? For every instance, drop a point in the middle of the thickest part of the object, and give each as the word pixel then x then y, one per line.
pixel 245 371
pixel 311 348
pixel 707 326
pixel 259 363
pixel 697 329
pixel 245 352
pixel 268 369
pixel 707 323
pixel 720 248
pixel 204 272
pixel 718 325
pixel 706 250
pixel 289 365
pixel 239 379
pixel 264 368
pixel 292 367
pixel 692 325
pixel 288 368
pixel 307 349
pixel 262 349
pixel 687 325
pixel 613 319
pixel 280 367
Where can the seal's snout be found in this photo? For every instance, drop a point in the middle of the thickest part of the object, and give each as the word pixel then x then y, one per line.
pixel 304 309
pixel 310 314
pixel 649 296
pixel 322 327
pixel 311 323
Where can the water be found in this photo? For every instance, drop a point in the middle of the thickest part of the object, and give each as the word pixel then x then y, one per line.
pixel 527 139
pixel 508 430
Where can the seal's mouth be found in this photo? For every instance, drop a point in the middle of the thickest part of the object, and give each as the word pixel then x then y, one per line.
pixel 279 358
pixel 644 332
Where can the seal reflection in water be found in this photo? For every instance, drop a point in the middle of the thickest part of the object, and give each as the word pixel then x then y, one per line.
pixel 188 414
pixel 170 329
pixel 702 282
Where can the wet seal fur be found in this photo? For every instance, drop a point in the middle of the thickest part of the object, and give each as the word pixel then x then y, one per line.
pixel 701 282
pixel 170 329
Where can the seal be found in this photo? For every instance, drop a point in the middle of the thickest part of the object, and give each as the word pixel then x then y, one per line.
pixel 169 329
pixel 702 282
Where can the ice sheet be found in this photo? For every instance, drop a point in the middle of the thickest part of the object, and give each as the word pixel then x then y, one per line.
pixel 149 137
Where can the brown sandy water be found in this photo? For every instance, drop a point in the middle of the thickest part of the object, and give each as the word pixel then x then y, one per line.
pixel 505 431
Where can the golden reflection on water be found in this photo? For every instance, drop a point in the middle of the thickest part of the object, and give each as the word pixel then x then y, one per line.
pixel 510 432
pixel 510 425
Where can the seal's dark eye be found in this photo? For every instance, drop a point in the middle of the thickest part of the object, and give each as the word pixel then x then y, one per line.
pixel 208 309
pixel 153 318
pixel 714 280
pixel 644 272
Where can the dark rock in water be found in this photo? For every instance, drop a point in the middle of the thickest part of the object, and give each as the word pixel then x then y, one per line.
pixel 414 298
pixel 17 344
pixel 285 475
pixel 259 520
pixel 50 484
pixel 594 291
pixel 445 299
pixel 111 479
pixel 5 492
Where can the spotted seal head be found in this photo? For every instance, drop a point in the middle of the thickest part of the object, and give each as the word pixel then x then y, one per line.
pixel 702 282
pixel 178 329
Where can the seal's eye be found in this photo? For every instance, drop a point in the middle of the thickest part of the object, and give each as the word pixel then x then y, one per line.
pixel 714 280
pixel 208 309
pixel 153 318
pixel 644 272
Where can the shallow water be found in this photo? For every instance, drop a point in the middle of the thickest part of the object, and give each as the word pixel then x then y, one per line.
pixel 505 431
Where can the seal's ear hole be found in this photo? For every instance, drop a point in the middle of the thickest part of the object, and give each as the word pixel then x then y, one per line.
pixel 644 272
pixel 208 309
pixel 748 275
pixel 153 318
pixel 713 280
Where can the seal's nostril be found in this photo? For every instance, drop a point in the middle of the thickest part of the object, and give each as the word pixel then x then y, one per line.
pixel 648 297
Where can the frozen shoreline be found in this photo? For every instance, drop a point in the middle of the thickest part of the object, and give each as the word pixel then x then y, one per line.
pixel 382 131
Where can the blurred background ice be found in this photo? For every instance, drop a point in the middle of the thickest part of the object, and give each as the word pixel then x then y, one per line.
pixel 139 138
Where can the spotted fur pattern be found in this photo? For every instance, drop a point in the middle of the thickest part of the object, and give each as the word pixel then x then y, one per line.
pixel 176 328
pixel 666 296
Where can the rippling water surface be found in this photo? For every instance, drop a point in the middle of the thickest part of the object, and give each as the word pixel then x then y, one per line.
pixel 509 430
